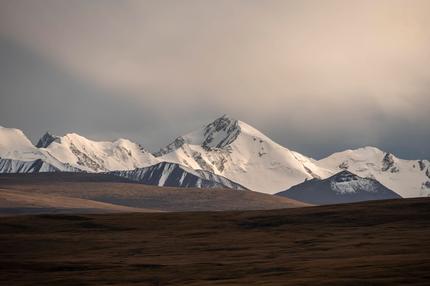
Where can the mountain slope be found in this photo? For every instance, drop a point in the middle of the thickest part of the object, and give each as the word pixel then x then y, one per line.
pixel 94 156
pixel 19 155
pixel 35 166
pixel 408 178
pixel 15 145
pixel 174 175
pixel 239 152
pixel 343 187
pixel 71 152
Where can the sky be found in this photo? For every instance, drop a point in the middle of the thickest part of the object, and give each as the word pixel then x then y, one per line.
pixel 315 76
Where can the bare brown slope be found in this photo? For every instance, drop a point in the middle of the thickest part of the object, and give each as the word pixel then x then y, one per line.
pixel 116 191
pixel 372 243
pixel 25 202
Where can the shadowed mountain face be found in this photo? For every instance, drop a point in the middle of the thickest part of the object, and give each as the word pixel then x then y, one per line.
pixel 46 140
pixel 17 166
pixel 175 175
pixel 344 187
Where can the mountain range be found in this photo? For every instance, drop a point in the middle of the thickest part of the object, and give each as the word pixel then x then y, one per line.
pixel 225 153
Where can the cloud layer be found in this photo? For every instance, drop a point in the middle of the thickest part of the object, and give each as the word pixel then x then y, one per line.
pixel 317 76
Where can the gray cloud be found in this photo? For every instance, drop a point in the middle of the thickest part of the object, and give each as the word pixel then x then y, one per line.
pixel 315 76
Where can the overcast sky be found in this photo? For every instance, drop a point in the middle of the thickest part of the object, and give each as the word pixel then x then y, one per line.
pixel 315 76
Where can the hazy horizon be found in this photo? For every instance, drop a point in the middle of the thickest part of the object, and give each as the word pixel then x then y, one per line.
pixel 316 77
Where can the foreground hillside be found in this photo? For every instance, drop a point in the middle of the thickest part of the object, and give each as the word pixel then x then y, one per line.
pixel 374 243
pixel 96 193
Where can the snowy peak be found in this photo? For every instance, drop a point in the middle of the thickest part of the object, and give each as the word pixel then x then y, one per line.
pixel 217 134
pixel 12 138
pixel 220 132
pixel 225 130
pixel 99 156
pixel 19 155
pixel 239 152
pixel 406 177
pixel 15 145
pixel 46 140
pixel 366 157
pixel 71 152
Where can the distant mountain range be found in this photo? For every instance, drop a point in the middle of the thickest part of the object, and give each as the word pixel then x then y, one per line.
pixel 225 153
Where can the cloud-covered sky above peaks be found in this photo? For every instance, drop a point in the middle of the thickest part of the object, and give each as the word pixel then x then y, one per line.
pixel 315 76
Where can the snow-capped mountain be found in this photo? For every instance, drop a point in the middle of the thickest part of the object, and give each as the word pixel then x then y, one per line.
pixel 227 148
pixel 70 153
pixel 343 187
pixel 408 178
pixel 96 156
pixel 15 145
pixel 19 155
pixel 175 175
pixel 239 152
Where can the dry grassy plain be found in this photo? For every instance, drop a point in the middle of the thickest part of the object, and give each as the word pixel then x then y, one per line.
pixel 96 193
pixel 374 243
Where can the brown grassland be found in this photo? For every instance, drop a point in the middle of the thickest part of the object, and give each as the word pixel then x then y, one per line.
pixel 97 193
pixel 372 243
